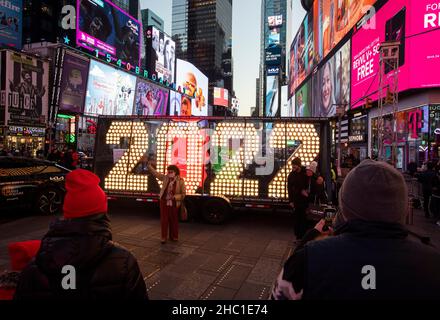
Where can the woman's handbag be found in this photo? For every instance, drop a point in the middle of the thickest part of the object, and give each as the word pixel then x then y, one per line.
pixel 183 213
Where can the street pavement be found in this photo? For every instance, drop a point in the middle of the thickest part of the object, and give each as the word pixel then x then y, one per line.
pixel 239 260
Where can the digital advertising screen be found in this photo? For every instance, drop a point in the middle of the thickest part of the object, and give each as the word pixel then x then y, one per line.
pixel 302 54
pixel 275 21
pixel 409 22
pixel 303 101
pixel 25 89
pixel 109 91
pixel 106 30
pixel 333 20
pixel 272 96
pixel 11 22
pixel 73 83
pixel 161 55
pixel 151 100
pixel 331 84
pixel 286 104
pixel 175 103
pixel 196 85
pixel 221 97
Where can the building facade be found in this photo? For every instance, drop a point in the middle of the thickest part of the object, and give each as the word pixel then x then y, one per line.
pixel 202 31
pixel 273 34
pixel 149 18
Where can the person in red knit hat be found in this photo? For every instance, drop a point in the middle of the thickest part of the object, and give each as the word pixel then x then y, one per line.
pixel 82 239
pixel 20 254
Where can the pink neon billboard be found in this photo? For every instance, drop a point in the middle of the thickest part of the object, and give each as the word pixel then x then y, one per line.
pixel 412 22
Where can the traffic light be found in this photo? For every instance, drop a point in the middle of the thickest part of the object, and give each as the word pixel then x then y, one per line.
pixel 368 103
pixel 389 99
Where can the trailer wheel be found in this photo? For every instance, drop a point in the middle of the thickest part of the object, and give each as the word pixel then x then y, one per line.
pixel 216 211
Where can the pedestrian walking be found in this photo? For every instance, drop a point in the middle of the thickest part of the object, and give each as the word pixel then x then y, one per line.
pixel 172 195
pixel 298 197
pixel 370 255
pixel 429 181
pixel 82 240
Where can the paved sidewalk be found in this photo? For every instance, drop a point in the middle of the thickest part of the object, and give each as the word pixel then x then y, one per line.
pixel 238 260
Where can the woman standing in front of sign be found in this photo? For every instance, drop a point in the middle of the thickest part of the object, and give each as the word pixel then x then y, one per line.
pixel 171 197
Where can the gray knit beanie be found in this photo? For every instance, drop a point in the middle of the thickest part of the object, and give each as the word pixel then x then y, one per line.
pixel 374 191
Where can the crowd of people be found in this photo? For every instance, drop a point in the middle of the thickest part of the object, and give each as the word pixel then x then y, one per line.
pixel 328 262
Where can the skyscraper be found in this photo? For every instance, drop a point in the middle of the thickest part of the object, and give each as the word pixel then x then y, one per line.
pixel 149 18
pixel 273 34
pixel 202 30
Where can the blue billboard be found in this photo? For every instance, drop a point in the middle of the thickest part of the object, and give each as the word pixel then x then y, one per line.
pixel 11 15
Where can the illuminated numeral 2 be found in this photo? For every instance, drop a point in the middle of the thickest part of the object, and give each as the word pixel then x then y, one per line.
pixel 121 176
pixel 245 139
pixel 307 151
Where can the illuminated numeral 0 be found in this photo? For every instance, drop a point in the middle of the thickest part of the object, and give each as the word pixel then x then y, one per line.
pixel 181 144
pixel 121 176
pixel 307 151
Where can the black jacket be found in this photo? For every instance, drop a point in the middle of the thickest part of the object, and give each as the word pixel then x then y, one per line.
pixel 332 268
pixel 296 183
pixel 104 270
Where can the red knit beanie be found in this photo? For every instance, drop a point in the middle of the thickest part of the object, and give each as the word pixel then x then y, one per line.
pixel 21 253
pixel 84 196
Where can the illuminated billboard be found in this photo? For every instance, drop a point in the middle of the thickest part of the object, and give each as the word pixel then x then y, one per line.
pixel 221 97
pixel 73 83
pixel 410 22
pixel 275 21
pixel 151 100
pixel 272 97
pixel 161 55
pixel 109 91
pixel 11 22
pixel 107 31
pixel 331 84
pixel 333 20
pixel 24 90
pixel 195 84
pixel 303 101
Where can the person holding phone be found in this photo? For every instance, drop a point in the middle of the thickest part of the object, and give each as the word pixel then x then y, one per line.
pixel 368 232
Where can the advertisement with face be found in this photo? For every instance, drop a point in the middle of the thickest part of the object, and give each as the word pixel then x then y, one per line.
pixel 151 100
pixel 303 101
pixel 195 84
pixel 25 89
pixel 109 91
pixel 390 25
pixel 161 55
pixel 334 19
pixel 105 27
pixel 73 83
pixel 175 103
pixel 11 16
pixel 331 84
pixel 272 97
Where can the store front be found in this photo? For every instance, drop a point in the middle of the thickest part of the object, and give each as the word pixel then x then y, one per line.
pixel 25 141
pixel 65 131
pixel 410 135
pixel 358 136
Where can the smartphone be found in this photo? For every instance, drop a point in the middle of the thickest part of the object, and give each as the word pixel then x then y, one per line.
pixel 329 215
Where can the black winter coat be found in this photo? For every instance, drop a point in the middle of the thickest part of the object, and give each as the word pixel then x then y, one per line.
pixel 296 183
pixel 104 270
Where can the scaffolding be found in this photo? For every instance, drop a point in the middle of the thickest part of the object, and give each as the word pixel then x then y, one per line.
pixel 388 96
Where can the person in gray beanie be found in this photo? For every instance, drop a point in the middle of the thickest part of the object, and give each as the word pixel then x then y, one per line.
pixel 369 255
